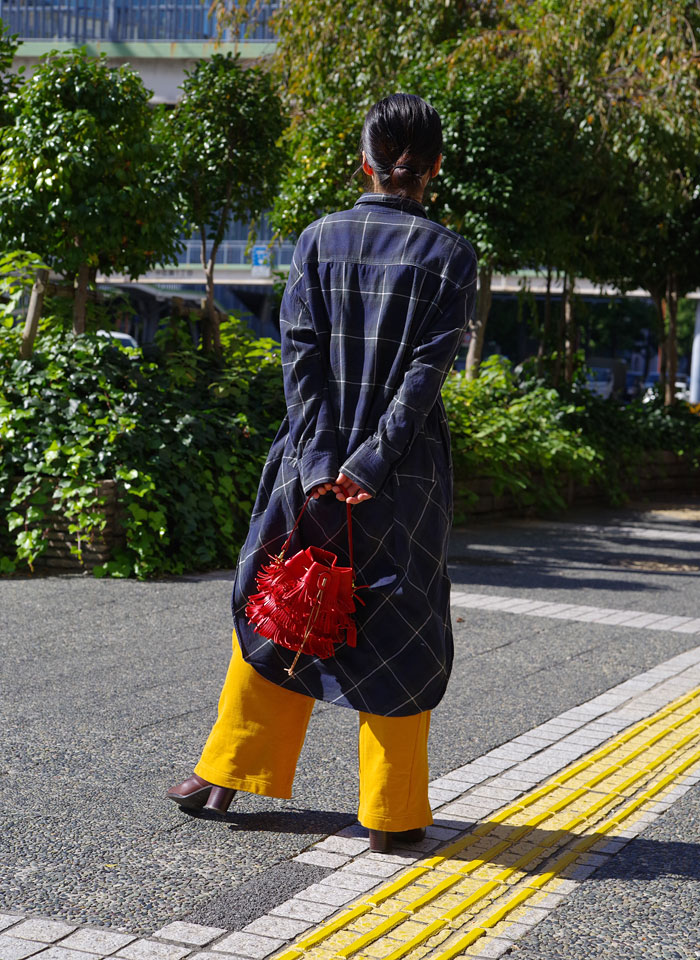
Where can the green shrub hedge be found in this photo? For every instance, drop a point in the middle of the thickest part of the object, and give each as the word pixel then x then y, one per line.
pixel 186 441
pixel 529 437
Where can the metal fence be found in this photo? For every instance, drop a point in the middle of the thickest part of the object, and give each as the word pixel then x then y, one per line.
pixel 233 249
pixel 232 253
pixel 114 20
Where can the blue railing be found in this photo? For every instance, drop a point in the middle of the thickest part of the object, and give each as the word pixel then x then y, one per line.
pixel 232 251
pixel 82 21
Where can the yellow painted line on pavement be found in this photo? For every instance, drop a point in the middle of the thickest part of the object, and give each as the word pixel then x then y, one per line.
pixel 421 902
pixel 581 847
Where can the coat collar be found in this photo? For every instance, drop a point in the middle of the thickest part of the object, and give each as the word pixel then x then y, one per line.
pixel 392 200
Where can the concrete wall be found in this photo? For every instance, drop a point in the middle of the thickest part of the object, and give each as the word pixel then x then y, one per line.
pixel 161 64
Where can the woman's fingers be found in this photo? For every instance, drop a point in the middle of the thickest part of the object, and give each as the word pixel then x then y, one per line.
pixel 349 491
pixel 359 496
pixel 320 490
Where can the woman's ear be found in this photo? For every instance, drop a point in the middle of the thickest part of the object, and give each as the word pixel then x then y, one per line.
pixel 436 167
pixel 365 165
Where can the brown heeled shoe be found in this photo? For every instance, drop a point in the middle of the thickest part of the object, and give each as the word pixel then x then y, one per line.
pixel 196 793
pixel 219 800
pixel 191 793
pixel 381 841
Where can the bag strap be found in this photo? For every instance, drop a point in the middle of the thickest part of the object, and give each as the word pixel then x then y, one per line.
pixel 301 514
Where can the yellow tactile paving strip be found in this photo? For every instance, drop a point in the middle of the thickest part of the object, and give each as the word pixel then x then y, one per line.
pixel 449 904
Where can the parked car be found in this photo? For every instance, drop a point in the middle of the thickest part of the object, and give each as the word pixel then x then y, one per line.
pixel 123 339
pixel 651 385
pixel 600 382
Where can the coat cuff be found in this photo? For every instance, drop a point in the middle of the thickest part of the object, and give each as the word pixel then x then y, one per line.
pixel 316 468
pixel 367 467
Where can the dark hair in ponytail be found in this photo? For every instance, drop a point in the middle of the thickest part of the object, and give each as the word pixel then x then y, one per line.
pixel 402 139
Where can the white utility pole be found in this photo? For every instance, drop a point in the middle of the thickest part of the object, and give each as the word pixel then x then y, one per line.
pixel 695 361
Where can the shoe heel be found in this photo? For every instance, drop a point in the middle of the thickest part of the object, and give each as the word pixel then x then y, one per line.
pixel 219 800
pixel 380 841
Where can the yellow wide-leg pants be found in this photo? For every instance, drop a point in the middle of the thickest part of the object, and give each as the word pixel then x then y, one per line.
pixel 257 738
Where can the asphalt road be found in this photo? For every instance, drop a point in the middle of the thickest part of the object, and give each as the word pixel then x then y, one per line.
pixel 109 689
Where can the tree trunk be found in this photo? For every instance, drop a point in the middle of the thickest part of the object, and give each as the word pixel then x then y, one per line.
pixel 660 304
pixel 546 324
pixel 477 326
pixel 569 329
pixel 80 301
pixel 559 353
pixel 213 343
pixel 36 303
pixel 671 339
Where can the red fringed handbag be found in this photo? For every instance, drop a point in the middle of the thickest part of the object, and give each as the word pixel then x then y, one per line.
pixel 305 603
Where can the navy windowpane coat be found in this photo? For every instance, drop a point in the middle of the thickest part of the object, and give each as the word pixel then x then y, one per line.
pixel 376 305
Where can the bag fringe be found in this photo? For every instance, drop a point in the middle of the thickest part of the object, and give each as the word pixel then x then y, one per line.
pixel 290 614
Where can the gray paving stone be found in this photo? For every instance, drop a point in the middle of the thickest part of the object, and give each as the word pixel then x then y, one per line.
pixel 670 623
pixel 572 613
pixel 586 739
pixel 322 858
pixel 520 785
pixel 609 846
pixel 438 798
pixel 692 627
pixel 336 896
pixel 371 868
pixel 595 859
pixel 284 928
pixel 517 776
pixel 491 949
pixel 470 774
pixel 550 901
pixel 358 882
pixel 491 792
pixel 441 833
pixel 451 783
pixel 578 871
pixel 456 823
pixel 206 955
pixel 304 910
pixel 249 945
pixel 351 846
pixel 9 919
pixel 353 830
pixel 423 846
pixel 471 810
pixel 194 933
pixel 512 751
pixel 396 858
pixel 492 765
pixel 60 953
pixel 152 950
pixel 15 949
pixel 45 931
pixel 103 942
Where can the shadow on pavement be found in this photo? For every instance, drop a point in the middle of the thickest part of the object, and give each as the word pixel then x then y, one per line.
pixel 278 821
pixel 639 859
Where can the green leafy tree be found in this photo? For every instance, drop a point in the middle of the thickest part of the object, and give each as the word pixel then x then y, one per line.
pixel 663 218
pixel 83 181
pixel 224 131
pixel 499 183
pixel 334 59
pixel 625 73
pixel 9 82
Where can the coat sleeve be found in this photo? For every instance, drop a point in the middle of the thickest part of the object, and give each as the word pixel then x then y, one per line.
pixel 433 357
pixel 311 425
